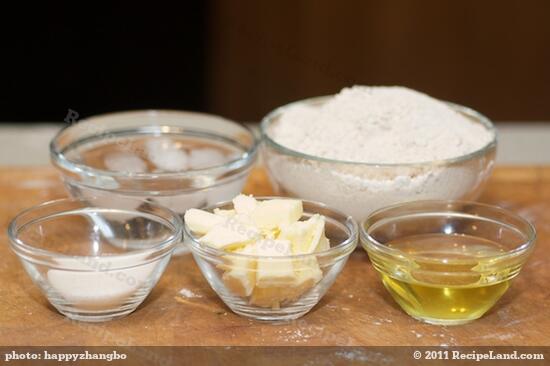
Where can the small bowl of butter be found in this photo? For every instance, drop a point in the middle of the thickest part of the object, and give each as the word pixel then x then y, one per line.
pixel 270 258
pixel 447 262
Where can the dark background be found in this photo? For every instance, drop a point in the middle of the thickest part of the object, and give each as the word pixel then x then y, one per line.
pixel 242 58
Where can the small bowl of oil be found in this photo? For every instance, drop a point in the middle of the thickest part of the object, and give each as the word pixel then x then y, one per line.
pixel 447 262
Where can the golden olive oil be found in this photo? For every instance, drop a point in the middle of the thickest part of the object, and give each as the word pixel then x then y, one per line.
pixel 451 280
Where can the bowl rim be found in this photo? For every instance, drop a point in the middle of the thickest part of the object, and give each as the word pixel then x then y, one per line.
pixel 60 160
pixel 13 229
pixel 347 246
pixel 479 118
pixel 531 234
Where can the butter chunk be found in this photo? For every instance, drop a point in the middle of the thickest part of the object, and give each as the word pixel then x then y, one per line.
pixel 276 213
pixel 268 297
pixel 201 222
pixel 225 238
pixel 273 271
pixel 244 204
pixel 307 275
pixel 306 236
pixel 324 244
pixel 240 272
pixel 224 213
pixel 244 219
pixel 243 225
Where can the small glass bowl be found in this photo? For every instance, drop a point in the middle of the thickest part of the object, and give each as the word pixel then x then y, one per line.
pixel 128 133
pixel 316 272
pixel 94 263
pixel 359 189
pixel 447 262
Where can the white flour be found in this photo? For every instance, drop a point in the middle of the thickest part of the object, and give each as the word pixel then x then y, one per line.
pixel 380 125
pixel 384 125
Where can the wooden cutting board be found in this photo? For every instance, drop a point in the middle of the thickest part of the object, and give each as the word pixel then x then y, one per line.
pixel 183 310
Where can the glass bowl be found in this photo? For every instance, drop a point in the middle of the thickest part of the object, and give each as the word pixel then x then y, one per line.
pixel 94 263
pixel 177 159
pixel 314 273
pixel 358 189
pixel 447 262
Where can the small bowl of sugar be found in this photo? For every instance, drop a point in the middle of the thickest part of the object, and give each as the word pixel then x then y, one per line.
pixel 366 148
pixel 94 263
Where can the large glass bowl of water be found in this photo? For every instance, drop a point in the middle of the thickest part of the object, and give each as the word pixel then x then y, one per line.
pixel 176 159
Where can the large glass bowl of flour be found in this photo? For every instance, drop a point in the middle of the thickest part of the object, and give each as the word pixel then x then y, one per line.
pixel 369 147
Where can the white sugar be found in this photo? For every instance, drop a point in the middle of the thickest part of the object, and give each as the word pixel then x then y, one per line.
pixel 99 288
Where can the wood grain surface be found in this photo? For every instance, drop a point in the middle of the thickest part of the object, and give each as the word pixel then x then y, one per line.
pixel 356 311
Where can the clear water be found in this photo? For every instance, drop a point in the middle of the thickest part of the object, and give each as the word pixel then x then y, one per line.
pixel 136 151
pixel 133 151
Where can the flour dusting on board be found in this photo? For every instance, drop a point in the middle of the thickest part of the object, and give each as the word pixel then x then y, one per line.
pixel 189 294
pixel 358 355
